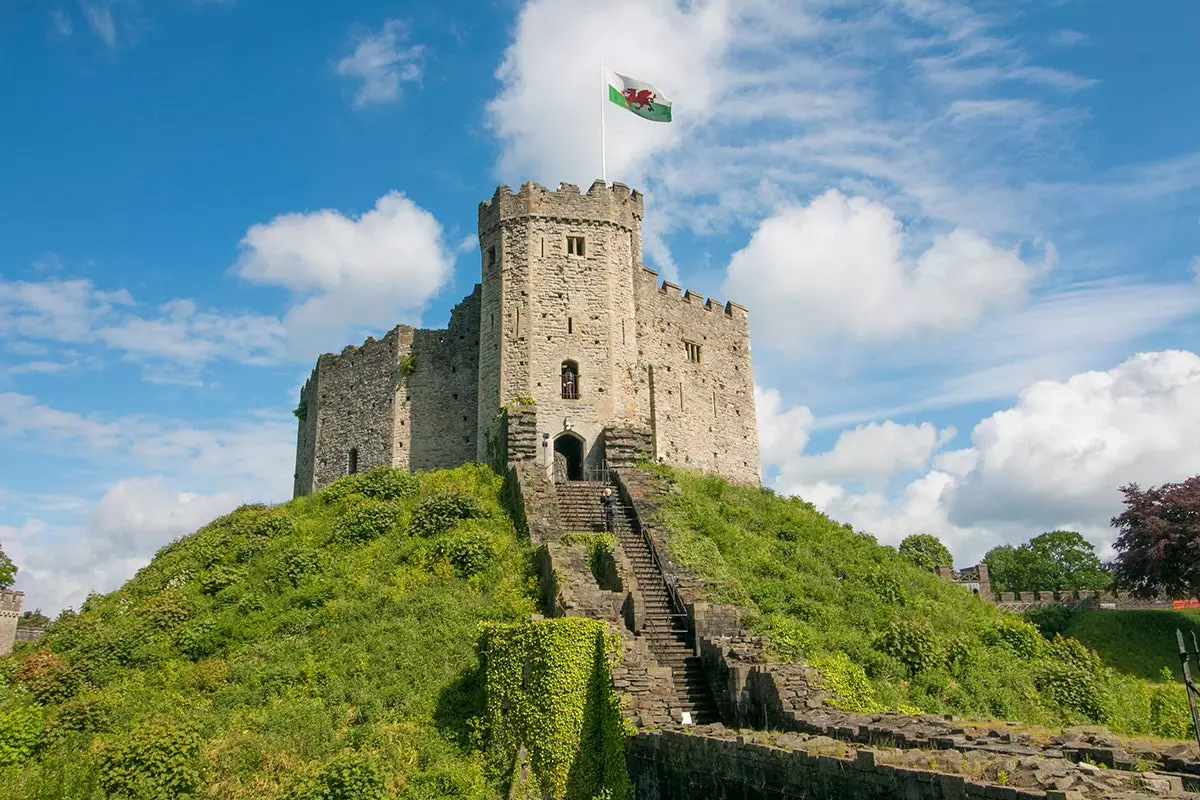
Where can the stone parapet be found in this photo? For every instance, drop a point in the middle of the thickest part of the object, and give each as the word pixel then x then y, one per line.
pixel 615 204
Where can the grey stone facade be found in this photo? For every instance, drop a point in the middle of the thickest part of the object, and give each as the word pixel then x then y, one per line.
pixel 10 610
pixel 652 370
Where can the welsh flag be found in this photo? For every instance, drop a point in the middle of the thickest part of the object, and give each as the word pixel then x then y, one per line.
pixel 640 98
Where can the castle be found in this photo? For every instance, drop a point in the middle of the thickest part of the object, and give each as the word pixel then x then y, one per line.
pixel 568 337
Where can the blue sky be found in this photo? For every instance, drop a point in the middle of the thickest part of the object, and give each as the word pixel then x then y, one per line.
pixel 968 238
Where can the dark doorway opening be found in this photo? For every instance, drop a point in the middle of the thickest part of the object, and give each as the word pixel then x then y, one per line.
pixel 568 456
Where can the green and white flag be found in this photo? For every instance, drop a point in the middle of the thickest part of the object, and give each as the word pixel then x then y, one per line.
pixel 640 98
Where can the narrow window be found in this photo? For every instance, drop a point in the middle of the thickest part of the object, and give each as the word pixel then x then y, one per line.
pixel 681 395
pixel 714 404
pixel 570 325
pixel 353 460
pixel 693 352
pixel 543 247
pixel 491 256
pixel 570 380
pixel 575 245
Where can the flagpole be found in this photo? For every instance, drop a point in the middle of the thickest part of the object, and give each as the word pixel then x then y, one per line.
pixel 603 155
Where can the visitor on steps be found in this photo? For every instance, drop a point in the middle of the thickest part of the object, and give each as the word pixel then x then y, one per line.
pixel 609 503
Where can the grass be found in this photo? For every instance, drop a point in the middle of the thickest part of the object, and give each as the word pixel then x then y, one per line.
pixel 886 634
pixel 1140 643
pixel 283 652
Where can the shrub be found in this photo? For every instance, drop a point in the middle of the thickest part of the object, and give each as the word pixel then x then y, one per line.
pixel 377 483
pixel 365 522
pixel 299 562
pixel 1170 714
pixel 469 553
pixel 157 759
pixel 48 677
pixel 1072 688
pixel 197 639
pixel 220 577
pixel 913 643
pixel 847 684
pixel 1050 620
pixel 20 726
pixel 348 776
pixel 167 610
pixel 441 512
pixel 82 715
pixel 1021 637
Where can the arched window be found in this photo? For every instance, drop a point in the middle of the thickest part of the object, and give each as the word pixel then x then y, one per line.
pixel 353 460
pixel 570 380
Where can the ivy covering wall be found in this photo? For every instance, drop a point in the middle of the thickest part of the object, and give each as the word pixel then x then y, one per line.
pixel 549 690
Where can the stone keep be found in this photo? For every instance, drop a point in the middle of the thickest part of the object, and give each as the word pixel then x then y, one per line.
pixel 566 325
pixel 10 611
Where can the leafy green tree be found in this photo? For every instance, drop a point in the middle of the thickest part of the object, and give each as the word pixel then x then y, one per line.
pixel 1053 560
pixel 926 551
pixel 8 571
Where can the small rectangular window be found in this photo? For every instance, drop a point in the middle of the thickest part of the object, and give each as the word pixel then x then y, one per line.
pixel 570 325
pixel 491 256
pixel 693 352
pixel 575 245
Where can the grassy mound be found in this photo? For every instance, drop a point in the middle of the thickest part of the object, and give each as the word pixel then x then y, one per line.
pixel 886 634
pixel 1140 643
pixel 324 648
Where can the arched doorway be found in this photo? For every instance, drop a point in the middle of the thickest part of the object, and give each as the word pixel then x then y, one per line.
pixel 568 457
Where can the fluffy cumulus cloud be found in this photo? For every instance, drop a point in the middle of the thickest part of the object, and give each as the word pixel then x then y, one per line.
pixel 547 114
pixel 160 479
pixel 347 272
pixel 837 267
pixel 60 564
pixel 1055 459
pixel 381 61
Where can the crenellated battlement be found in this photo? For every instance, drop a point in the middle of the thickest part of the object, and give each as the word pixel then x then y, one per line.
pixel 10 603
pixel 616 204
pixel 671 291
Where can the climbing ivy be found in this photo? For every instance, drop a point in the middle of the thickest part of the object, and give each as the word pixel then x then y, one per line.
pixel 548 688
pixel 598 546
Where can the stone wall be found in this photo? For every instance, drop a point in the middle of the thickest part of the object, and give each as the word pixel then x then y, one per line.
pixel 10 610
pixel 702 413
pixel 722 765
pixel 438 418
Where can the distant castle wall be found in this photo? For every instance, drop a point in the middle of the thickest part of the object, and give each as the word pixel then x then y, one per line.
pixel 701 384
pixel 10 610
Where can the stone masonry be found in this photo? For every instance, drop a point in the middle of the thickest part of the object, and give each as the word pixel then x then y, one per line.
pixel 10 610
pixel 566 323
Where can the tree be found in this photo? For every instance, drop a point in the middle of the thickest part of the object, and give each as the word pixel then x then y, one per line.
pixel 33 619
pixel 1158 547
pixel 8 571
pixel 926 551
pixel 1053 560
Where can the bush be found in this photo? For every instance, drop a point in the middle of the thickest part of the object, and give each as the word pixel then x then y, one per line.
pixel 847 684
pixel 1021 637
pixel 48 677
pixel 1051 620
pixel 377 483
pixel 913 643
pixel 365 522
pixel 348 776
pixel 81 715
pixel 220 577
pixel 469 553
pixel 298 563
pixel 20 726
pixel 1072 688
pixel 442 512
pixel 1170 714
pixel 167 610
pixel 158 759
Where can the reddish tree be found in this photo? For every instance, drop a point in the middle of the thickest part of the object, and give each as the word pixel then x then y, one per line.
pixel 1158 547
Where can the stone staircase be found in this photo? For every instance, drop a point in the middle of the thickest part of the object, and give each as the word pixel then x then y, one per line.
pixel 665 628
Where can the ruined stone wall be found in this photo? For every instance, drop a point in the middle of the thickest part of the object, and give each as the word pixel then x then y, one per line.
pixel 306 435
pixel 355 406
pixel 702 412
pixel 557 306
pixel 10 610
pixel 439 401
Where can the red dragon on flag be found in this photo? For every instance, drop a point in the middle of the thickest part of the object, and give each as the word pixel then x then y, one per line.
pixel 639 98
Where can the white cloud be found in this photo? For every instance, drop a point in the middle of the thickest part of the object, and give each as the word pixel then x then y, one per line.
pixel 1069 38
pixel 781 434
pixel 349 272
pixel 60 565
pixel 835 267
pixel 382 64
pixel 100 19
pixel 871 453
pixel 1055 459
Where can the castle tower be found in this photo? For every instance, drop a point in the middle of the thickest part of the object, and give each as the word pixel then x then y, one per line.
pixel 10 612
pixel 559 310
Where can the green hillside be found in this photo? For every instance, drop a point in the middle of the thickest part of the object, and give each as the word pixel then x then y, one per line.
pixel 324 648
pixel 885 633
pixel 1138 643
